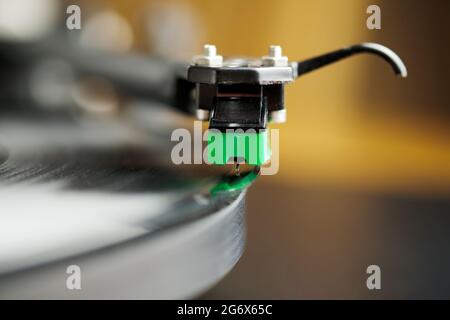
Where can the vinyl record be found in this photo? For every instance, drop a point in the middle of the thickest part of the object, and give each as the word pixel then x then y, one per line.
pixel 101 195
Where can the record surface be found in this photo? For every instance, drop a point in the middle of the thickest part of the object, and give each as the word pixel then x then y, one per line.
pixel 102 195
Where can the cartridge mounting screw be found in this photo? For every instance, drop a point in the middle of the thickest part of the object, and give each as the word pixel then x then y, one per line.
pixel 275 58
pixel 210 58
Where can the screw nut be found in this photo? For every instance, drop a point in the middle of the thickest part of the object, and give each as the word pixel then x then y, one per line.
pixel 209 57
pixel 275 58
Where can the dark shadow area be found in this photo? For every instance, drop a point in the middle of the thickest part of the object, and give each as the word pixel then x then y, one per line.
pixel 418 32
pixel 321 242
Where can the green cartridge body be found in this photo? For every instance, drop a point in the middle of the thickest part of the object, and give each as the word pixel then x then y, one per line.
pixel 250 147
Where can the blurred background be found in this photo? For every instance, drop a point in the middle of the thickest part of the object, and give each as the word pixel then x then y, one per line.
pixel 364 156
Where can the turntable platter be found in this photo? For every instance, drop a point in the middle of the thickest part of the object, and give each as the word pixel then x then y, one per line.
pixel 99 195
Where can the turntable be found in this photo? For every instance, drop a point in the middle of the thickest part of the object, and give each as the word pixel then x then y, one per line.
pixel 86 178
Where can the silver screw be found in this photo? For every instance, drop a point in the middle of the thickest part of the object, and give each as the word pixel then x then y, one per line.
pixel 209 57
pixel 275 51
pixel 275 58
pixel 209 50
